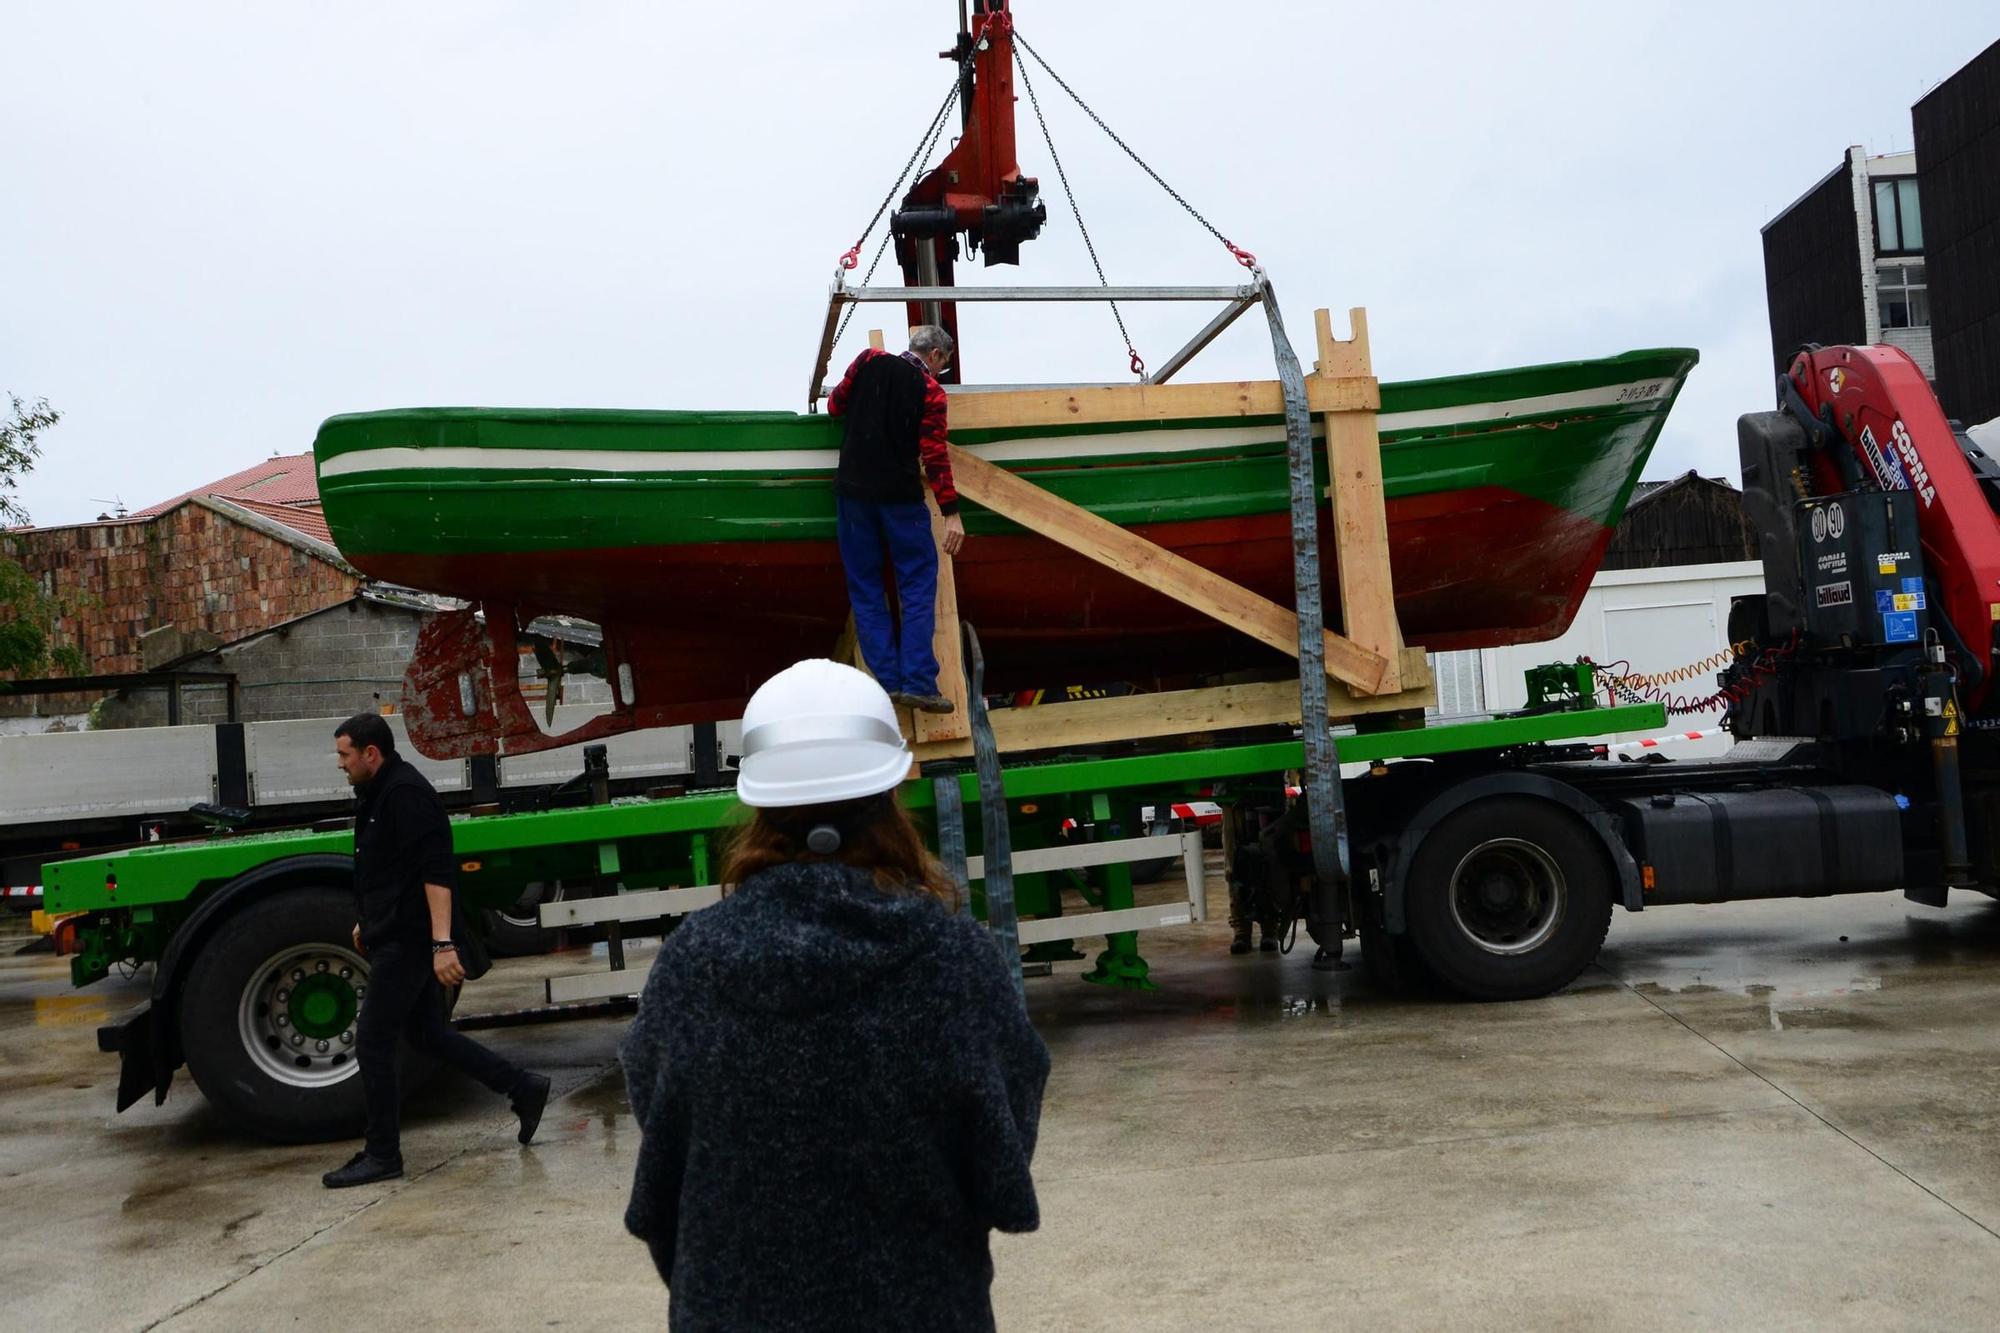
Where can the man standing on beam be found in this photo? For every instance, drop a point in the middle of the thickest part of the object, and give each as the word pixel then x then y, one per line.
pixel 894 441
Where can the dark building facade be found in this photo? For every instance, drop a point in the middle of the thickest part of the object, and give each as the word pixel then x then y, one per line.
pixel 1812 280
pixel 1957 131
pixel 1690 520
pixel 1848 262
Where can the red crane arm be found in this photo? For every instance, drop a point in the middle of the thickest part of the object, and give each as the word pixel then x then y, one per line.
pixel 978 191
pixel 1881 406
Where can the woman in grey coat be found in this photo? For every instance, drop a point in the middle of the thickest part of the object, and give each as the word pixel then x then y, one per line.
pixel 836 1082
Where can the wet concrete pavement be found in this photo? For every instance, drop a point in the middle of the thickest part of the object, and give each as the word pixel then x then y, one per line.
pixel 1738 1118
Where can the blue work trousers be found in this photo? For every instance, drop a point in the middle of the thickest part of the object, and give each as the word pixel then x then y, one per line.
pixel 873 536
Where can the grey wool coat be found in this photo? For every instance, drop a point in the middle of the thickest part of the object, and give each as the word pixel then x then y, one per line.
pixel 838 1091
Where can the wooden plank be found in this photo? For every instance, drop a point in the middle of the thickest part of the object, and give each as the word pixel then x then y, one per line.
pixel 1157 568
pixel 955 725
pixel 1360 523
pixel 1180 713
pixel 875 340
pixel 1111 403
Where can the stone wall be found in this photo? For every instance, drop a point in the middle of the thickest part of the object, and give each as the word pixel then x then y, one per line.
pixel 344 660
pixel 202 568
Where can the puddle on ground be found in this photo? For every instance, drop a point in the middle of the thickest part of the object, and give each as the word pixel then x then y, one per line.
pixel 600 1104
pixel 1276 1008
pixel 61 1011
pixel 602 1097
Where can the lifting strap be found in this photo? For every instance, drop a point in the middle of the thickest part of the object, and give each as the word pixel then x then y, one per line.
pixel 1326 813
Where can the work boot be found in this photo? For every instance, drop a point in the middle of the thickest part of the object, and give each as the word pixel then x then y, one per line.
pixel 1274 935
pixel 361 1169
pixel 1240 941
pixel 931 703
pixel 530 1096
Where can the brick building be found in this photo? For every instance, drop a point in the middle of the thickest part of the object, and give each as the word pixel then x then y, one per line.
pixel 239 577
pixel 237 556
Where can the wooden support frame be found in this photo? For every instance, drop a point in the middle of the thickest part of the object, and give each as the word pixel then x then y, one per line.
pixel 1179 713
pixel 1374 671
pixel 1090 404
pixel 1157 568
pixel 1360 519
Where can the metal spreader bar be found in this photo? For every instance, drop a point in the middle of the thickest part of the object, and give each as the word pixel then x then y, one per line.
pixel 843 298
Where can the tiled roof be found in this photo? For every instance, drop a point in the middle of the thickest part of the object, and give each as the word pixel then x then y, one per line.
pixel 286 479
pixel 309 519
pixel 283 489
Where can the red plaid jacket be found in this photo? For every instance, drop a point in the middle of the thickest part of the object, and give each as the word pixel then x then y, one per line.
pixel 931 452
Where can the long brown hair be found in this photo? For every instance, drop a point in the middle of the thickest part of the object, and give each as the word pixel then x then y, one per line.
pixel 876 834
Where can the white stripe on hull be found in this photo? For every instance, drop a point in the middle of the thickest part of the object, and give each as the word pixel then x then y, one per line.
pixel 1041 449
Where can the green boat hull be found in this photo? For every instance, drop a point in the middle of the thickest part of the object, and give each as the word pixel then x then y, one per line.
pixel 708 538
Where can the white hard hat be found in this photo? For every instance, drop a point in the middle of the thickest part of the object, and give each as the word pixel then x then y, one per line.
pixel 819 732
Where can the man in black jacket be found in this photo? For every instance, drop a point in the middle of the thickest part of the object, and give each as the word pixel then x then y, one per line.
pixel 403 876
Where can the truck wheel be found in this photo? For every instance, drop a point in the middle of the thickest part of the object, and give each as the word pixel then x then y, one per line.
pixel 1508 898
pixel 268 1018
pixel 516 931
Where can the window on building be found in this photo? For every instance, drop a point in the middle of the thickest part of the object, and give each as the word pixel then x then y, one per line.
pixel 1902 296
pixel 1899 224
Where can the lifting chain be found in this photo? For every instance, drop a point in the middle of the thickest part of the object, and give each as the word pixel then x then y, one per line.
pixel 1138 364
pixel 924 145
pixel 1243 257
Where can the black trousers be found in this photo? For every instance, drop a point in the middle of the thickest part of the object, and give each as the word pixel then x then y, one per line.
pixel 404 1001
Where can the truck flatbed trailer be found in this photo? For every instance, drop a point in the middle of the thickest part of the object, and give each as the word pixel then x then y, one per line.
pixel 256 985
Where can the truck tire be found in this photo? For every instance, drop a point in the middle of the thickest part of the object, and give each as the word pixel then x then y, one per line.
pixel 267 1018
pixel 1508 898
pixel 517 931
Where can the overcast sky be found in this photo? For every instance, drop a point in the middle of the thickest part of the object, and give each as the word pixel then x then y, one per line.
pixel 227 222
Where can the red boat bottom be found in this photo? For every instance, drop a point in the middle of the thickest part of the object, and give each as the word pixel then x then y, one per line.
pixel 704 625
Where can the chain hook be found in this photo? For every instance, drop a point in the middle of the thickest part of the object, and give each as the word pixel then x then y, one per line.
pixel 852 259
pixel 1138 363
pixel 1243 257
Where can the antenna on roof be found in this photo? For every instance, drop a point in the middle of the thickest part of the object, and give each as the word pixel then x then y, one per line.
pixel 117 507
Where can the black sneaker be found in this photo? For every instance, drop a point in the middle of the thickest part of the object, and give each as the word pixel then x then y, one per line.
pixel 361 1169
pixel 529 1098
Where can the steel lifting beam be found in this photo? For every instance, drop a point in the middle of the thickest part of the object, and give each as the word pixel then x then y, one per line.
pixel 1209 333
pixel 1238 299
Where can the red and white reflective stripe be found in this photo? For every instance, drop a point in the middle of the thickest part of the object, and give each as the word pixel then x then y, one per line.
pixel 1201 813
pixel 27 891
pixel 1655 742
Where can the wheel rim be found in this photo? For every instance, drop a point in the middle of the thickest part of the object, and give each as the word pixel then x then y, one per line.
pixel 1507 896
pixel 297 1015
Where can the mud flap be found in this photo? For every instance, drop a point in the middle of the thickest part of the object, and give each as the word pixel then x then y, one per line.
pixel 142 1063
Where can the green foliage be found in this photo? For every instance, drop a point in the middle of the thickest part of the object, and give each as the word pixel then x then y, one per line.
pixel 24 642
pixel 20 446
pixel 30 643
